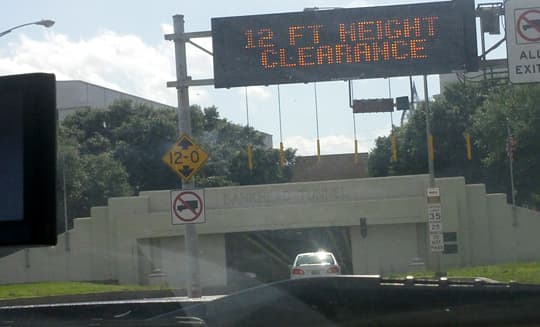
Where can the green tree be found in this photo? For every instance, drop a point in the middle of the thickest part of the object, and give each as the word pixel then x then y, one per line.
pixel 105 178
pixel 266 167
pixel 379 157
pixel 118 152
pixel 90 179
pixel 485 110
pixel 451 115
pixel 223 141
pixel 515 108
pixel 136 135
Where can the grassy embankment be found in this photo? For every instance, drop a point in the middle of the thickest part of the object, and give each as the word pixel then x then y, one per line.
pixel 528 273
pixel 14 291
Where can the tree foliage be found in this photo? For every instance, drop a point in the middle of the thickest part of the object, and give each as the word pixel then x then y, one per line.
pixel 484 110
pixel 118 151
pixel 90 179
pixel 266 167
pixel 514 109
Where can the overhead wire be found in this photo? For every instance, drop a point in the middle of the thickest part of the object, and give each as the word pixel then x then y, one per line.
pixel 351 101
pixel 355 139
pixel 317 123
pixel 249 146
pixel 281 148
pixel 393 138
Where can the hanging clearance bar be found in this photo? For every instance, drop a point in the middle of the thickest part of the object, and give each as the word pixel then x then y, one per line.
pixel 342 44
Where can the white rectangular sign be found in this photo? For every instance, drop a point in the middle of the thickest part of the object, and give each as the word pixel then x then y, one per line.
pixel 435 227
pixel 523 40
pixel 434 213
pixel 187 207
pixel 436 243
pixel 433 192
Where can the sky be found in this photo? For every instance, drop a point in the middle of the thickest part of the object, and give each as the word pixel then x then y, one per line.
pixel 120 44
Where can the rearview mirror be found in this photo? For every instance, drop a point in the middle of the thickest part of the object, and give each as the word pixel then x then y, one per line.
pixel 28 164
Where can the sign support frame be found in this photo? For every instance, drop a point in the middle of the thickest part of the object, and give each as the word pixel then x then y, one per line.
pixel 191 239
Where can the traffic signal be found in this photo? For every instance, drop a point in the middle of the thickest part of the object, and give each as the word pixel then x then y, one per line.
pixel 402 103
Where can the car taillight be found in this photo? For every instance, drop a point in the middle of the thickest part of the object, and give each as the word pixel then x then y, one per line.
pixel 333 270
pixel 297 271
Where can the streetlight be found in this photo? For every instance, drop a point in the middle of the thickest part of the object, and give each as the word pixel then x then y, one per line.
pixel 44 22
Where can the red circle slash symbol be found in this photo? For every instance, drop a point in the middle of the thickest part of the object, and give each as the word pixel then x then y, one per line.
pixel 528 25
pixel 192 207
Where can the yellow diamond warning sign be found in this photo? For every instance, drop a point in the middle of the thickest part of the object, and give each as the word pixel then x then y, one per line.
pixel 185 157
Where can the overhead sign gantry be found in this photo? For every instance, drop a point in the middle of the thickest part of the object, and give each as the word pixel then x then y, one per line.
pixel 303 47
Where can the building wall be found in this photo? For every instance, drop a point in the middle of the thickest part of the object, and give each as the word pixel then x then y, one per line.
pixel 211 260
pixel 75 95
pixel 398 241
pixel 133 236
pixel 330 167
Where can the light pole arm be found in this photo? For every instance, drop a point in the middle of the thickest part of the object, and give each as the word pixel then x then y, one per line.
pixel 44 22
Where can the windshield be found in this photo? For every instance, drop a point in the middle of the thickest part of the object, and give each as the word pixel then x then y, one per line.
pixel 207 148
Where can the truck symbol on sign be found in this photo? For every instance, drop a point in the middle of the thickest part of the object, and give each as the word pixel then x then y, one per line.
pixel 194 204
pixel 535 23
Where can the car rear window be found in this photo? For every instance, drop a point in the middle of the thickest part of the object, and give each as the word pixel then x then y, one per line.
pixel 314 259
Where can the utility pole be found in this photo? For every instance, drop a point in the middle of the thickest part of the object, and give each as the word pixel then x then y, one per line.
pixel 66 228
pixel 191 239
pixel 431 166
pixel 182 84
pixel 510 153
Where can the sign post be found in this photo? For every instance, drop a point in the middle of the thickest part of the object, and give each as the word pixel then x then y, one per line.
pixel 523 40
pixel 435 224
pixel 186 157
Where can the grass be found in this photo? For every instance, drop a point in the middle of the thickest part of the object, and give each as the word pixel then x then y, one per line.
pixel 528 273
pixel 520 272
pixel 27 290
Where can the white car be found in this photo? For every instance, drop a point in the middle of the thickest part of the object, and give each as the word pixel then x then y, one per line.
pixel 314 264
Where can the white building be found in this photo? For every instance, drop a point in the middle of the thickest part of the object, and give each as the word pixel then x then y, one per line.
pixel 75 95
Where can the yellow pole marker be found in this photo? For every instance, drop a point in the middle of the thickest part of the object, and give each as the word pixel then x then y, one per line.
pixel 281 155
pixel 431 151
pixel 355 151
pixel 394 147
pixel 318 150
pixel 468 145
pixel 250 157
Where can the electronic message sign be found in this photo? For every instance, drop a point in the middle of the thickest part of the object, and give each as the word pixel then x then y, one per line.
pixel 373 105
pixel 341 44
